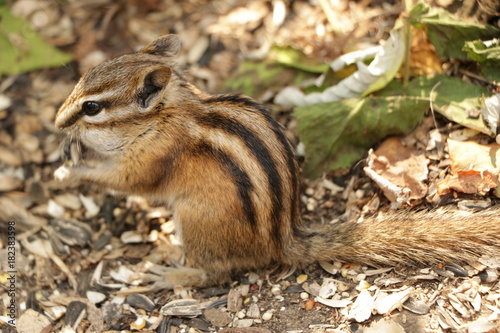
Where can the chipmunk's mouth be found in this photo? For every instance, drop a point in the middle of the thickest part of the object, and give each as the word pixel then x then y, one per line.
pixel 76 151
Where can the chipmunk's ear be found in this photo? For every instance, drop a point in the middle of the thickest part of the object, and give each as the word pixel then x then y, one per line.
pixel 166 46
pixel 152 87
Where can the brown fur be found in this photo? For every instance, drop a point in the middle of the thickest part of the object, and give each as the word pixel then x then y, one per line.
pixel 227 170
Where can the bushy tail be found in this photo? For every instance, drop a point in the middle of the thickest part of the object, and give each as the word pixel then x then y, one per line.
pixel 408 238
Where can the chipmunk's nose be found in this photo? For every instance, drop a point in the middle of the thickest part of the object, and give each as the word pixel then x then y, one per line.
pixel 66 116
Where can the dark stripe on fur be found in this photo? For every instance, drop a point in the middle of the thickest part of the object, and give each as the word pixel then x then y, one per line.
pixel 239 177
pixel 251 105
pixel 292 168
pixel 258 149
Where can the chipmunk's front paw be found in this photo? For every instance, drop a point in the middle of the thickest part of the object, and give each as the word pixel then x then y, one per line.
pixel 62 173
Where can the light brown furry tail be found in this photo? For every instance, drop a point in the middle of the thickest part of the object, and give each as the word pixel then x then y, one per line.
pixel 407 238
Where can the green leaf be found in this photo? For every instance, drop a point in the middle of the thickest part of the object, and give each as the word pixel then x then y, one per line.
pixel 22 49
pixel 460 102
pixel 447 32
pixel 337 134
pixel 487 54
pixel 291 57
pixel 255 78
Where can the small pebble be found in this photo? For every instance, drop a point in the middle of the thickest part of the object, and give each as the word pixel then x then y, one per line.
pixel 276 289
pixel 253 278
pixel 5 102
pixel 301 278
pixel 168 227
pixel 92 209
pixel 360 194
pixel 117 212
pixel 138 324
pixel 360 277
pixel 55 210
pixel 362 285
pixel 95 297
pixel 267 315
pixel 244 289
pixel 253 311
pixel 131 237
pixel 243 323
pixel 309 305
pixel 304 295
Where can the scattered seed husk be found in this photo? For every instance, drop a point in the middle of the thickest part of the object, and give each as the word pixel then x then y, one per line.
pixel 457 270
pixel 459 306
pixel 139 301
pixel 329 267
pixel 312 288
pixel 387 304
pixel 361 310
pixel 294 288
pixel 181 308
pixel 200 324
pixel 75 313
pixel 371 272
pixel 333 303
pixel 488 275
pixel 72 232
pixel 492 262
pixel 328 288
pixel 123 274
pixel 481 325
pixel 416 306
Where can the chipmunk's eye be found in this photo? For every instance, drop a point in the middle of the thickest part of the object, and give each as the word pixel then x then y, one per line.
pixel 91 108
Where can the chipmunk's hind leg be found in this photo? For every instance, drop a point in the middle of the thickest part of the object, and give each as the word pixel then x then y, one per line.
pixel 170 277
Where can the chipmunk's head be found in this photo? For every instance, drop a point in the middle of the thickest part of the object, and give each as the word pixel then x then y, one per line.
pixel 117 93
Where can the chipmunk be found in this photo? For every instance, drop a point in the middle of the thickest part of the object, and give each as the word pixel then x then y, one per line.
pixel 224 166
